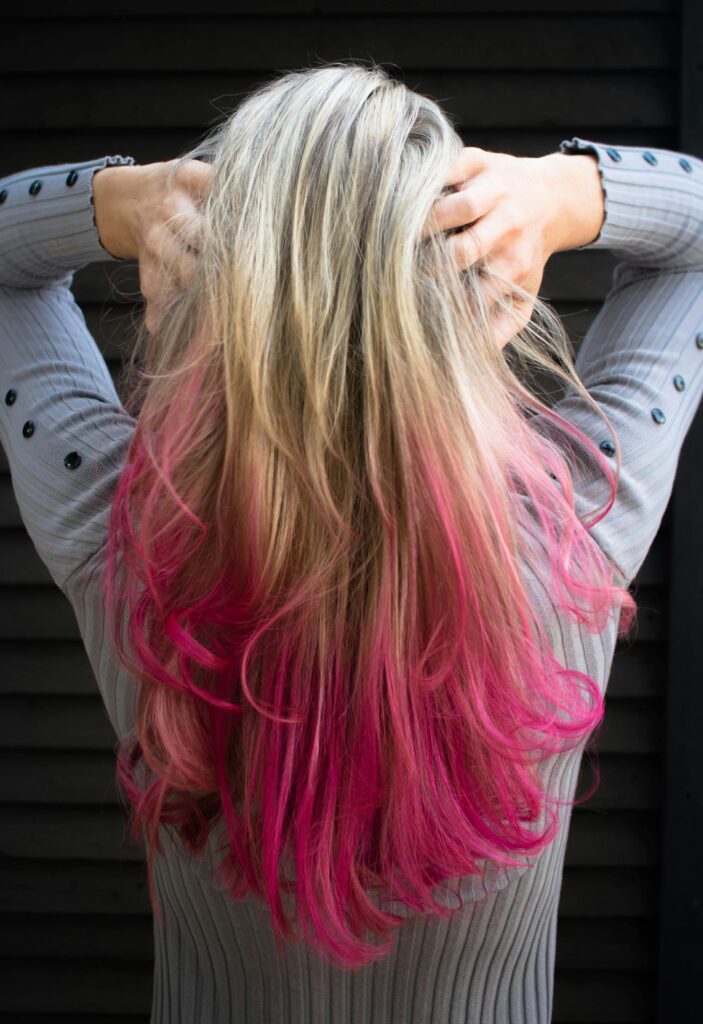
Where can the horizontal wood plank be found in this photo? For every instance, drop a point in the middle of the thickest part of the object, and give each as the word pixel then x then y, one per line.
pixel 612 944
pixel 37 612
pixel 583 277
pixel 77 937
pixel 84 986
pixel 22 565
pixel 58 777
pixel 61 667
pixel 66 833
pixel 27 148
pixel 113 887
pixel 637 671
pixel 613 838
pixel 43 722
pixel 34 612
pixel 91 1018
pixel 98 833
pixel 114 326
pixel 476 41
pixel 613 891
pixel 505 99
pixel 628 782
pixel 51 667
pixel 70 722
pixel 603 997
pixel 59 986
pixel 118 887
pixel 83 9
pixel 88 777
pixel 631 727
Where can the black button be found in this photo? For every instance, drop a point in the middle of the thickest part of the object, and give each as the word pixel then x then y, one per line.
pixel 3 195
pixel 685 164
pixel 35 187
pixel 72 460
pixel 699 341
pixel 608 447
pixel 72 178
pixel 613 154
pixel 658 416
pixel 10 397
pixel 650 158
pixel 679 382
pixel 28 429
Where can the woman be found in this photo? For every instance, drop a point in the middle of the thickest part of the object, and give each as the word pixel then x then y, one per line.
pixel 349 588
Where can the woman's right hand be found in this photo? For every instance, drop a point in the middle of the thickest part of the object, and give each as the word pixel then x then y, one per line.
pixel 152 213
pixel 515 213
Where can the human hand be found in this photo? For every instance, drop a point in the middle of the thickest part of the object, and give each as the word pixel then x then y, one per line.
pixel 511 212
pixel 152 213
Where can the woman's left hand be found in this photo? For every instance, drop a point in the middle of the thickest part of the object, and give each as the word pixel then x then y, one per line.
pixel 505 206
pixel 152 213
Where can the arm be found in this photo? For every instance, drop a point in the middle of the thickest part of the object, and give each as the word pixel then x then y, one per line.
pixel 62 426
pixel 47 226
pixel 63 429
pixel 642 357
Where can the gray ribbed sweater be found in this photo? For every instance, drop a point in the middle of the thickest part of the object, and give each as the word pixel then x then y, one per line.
pixel 215 960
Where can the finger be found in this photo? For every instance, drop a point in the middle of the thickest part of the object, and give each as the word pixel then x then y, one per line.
pixel 471 160
pixel 195 177
pixel 169 261
pixel 463 207
pixel 489 235
pixel 185 229
pixel 476 242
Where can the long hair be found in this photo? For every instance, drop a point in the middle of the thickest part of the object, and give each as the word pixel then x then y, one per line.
pixel 321 542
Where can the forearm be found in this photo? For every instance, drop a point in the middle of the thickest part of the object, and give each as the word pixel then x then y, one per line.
pixel 652 200
pixel 579 200
pixel 47 227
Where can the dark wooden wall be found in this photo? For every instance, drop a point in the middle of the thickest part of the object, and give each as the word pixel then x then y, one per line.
pixel 75 925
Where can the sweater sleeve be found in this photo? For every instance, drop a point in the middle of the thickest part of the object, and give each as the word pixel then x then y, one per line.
pixel 642 357
pixel 62 426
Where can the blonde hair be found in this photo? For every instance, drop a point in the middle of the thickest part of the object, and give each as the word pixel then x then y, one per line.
pixel 321 535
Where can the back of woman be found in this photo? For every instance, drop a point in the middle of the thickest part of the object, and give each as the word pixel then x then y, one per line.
pixel 349 587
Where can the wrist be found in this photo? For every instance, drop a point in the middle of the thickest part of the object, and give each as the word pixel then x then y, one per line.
pixel 123 200
pixel 578 200
pixel 115 192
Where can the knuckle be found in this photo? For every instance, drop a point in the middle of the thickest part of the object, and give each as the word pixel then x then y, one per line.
pixel 476 155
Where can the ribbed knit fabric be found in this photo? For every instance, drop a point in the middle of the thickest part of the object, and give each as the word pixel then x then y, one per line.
pixel 215 960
